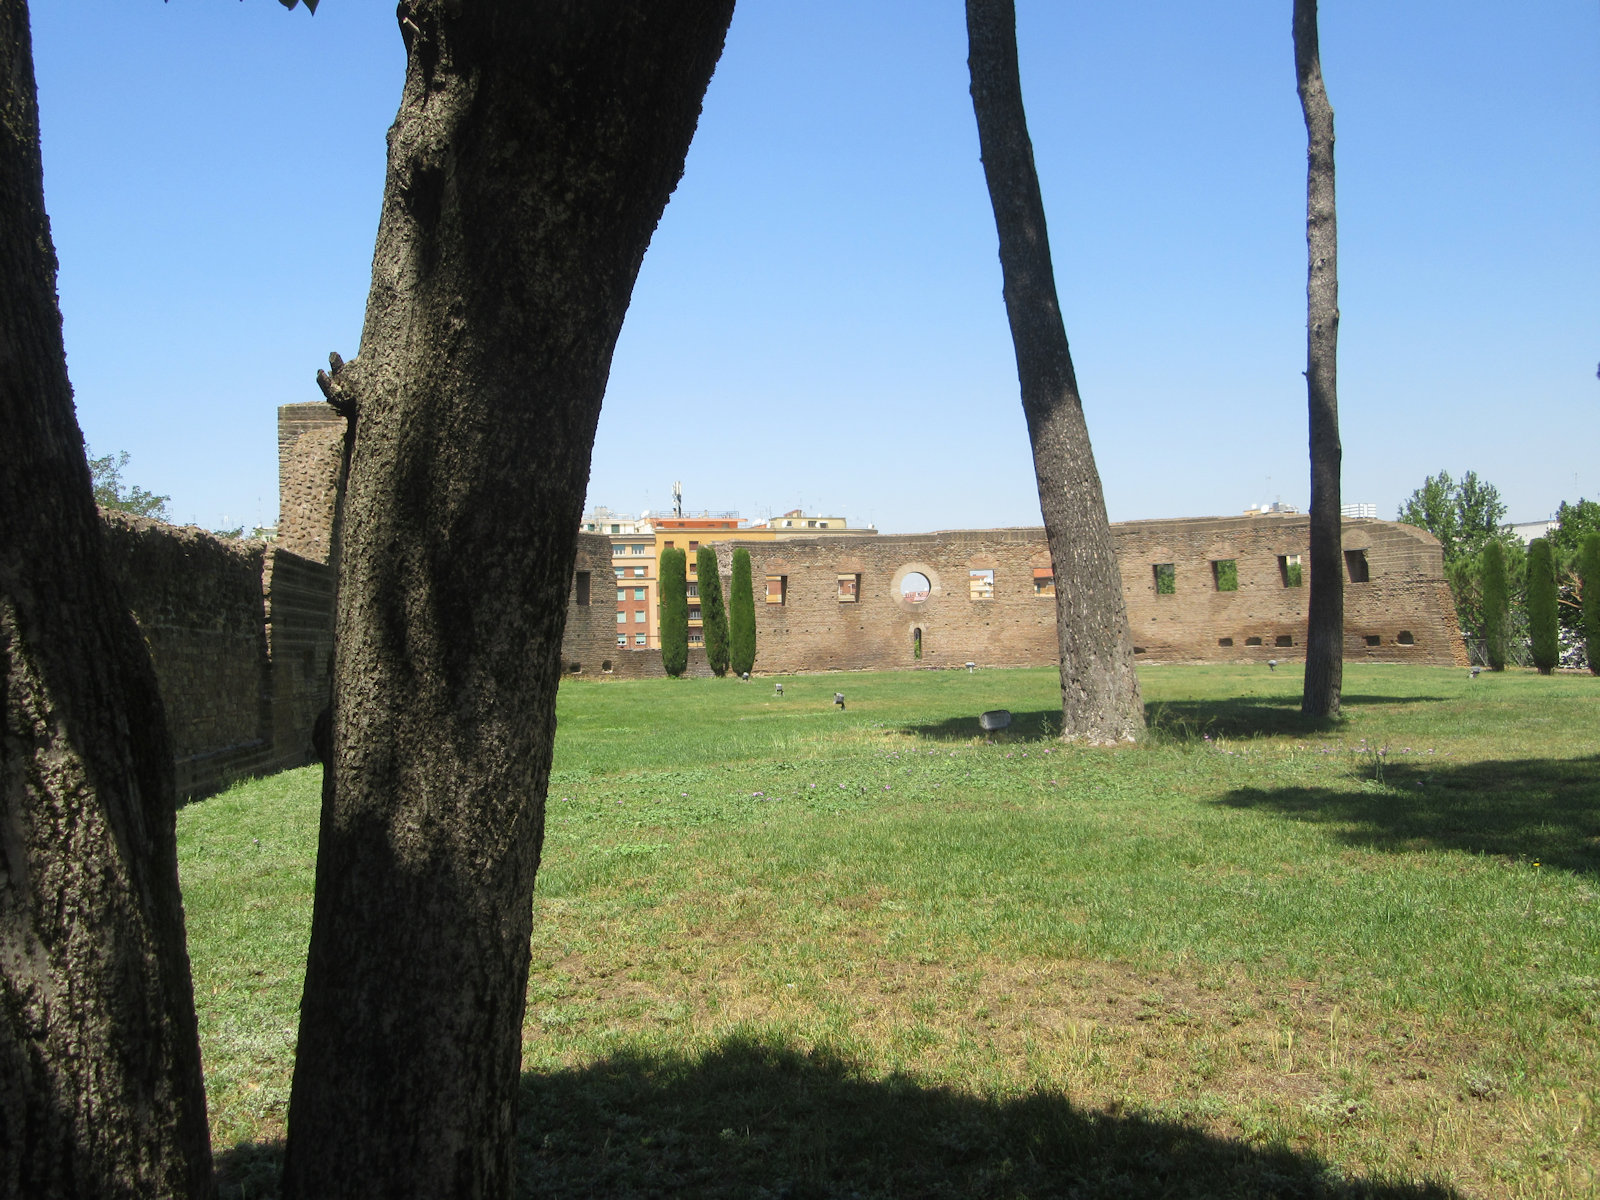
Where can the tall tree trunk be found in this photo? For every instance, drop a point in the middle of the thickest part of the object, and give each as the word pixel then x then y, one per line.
pixel 100 1088
pixel 1099 688
pixel 1325 627
pixel 534 150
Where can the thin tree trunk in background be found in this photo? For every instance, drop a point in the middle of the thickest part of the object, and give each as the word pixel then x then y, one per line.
pixel 534 150
pixel 100 1087
pixel 1100 699
pixel 1325 627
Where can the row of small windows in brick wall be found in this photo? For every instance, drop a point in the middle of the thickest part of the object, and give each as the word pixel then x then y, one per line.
pixel 915 587
pixel 1225 572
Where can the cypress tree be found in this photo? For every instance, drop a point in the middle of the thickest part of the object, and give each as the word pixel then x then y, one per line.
pixel 1543 622
pixel 674 611
pixel 1496 607
pixel 1589 580
pixel 742 615
pixel 713 615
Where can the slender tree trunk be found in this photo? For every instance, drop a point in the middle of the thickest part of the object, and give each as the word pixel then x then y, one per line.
pixel 533 153
pixel 1099 687
pixel 100 1088
pixel 1325 627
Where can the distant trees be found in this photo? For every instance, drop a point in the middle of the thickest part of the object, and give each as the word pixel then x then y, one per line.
pixel 1544 625
pixel 674 586
pixel 1100 699
pixel 741 616
pixel 1324 676
pixel 1589 593
pixel 105 472
pixel 1466 515
pixel 1496 605
pixel 713 614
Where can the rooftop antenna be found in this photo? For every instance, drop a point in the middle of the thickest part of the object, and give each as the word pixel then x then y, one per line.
pixel 677 498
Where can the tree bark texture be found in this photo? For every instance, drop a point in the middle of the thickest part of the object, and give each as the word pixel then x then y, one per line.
pixel 1324 676
pixel 1100 699
pixel 534 151
pixel 100 1086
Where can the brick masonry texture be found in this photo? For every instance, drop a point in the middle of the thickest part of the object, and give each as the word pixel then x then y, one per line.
pixel 241 637
pixel 310 442
pixel 1401 613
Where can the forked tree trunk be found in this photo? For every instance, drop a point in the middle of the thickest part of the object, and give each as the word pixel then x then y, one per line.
pixel 100 1089
pixel 1099 688
pixel 533 153
pixel 1325 627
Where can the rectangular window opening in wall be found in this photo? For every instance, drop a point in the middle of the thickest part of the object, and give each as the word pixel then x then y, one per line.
pixel 621 617
pixel 1225 574
pixel 1283 639
pixel 1252 641
pixel 1224 641
pixel 1374 639
pixel 981 583
pixel 638 572
pixel 777 585
pixel 1289 570
pixel 622 594
pixel 1044 581
pixel 1355 564
pixel 1405 638
pixel 622 639
pixel 619 572
pixel 1166 578
pixel 581 586
pixel 694 547
pixel 668 545
pixel 638 593
pixel 697 637
pixel 694 612
pixel 694 591
pixel 638 639
pixel 849 588
pixel 638 616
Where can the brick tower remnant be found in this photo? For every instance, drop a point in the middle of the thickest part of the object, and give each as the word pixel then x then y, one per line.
pixel 310 441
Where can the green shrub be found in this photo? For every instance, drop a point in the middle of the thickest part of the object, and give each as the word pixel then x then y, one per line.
pixel 713 616
pixel 1496 605
pixel 674 611
pixel 1589 576
pixel 742 615
pixel 1543 624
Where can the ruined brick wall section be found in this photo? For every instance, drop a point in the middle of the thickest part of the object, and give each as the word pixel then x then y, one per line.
pixel 299 626
pixel 1403 613
pixel 197 601
pixel 310 443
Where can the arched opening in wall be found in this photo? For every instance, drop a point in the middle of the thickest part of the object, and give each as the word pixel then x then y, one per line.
pixel 605 666
pixel 1374 639
pixel 1405 638
pixel 1283 639
pixel 915 588
pixel 573 668
pixel 916 643
pixel 1252 641
pixel 1224 641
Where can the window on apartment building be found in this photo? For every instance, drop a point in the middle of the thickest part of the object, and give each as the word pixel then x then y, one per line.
pixel 621 617
pixel 638 550
pixel 694 547
pixel 1355 563
pixel 638 593
pixel 638 616
pixel 616 529
pixel 1289 570
pixel 616 551
pixel 638 572
pixel 668 545
pixel 777 586
pixel 849 589
pixel 694 612
pixel 1225 574
pixel 694 591
pixel 638 639
pixel 622 594
pixel 1044 581
pixel 981 584
pixel 622 639
pixel 1166 579
pixel 581 586
pixel 619 572
pixel 697 637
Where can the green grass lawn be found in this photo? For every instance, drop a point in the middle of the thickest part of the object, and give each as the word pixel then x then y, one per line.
pixel 783 950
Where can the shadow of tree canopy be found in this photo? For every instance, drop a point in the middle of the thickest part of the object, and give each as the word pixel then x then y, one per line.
pixel 1540 809
pixel 1175 720
pixel 758 1117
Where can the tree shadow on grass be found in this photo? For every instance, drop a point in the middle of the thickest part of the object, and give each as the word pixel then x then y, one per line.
pixel 1174 720
pixel 758 1117
pixel 1544 810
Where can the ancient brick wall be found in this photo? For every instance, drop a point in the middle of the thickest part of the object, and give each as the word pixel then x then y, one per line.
pixel 239 635
pixel 310 442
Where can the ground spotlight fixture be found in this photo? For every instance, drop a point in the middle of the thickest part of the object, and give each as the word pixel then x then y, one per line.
pixel 1272 664
pixel 971 667
pixel 778 689
pixel 838 698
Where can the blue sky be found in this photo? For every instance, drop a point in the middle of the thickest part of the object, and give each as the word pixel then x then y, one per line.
pixel 818 322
